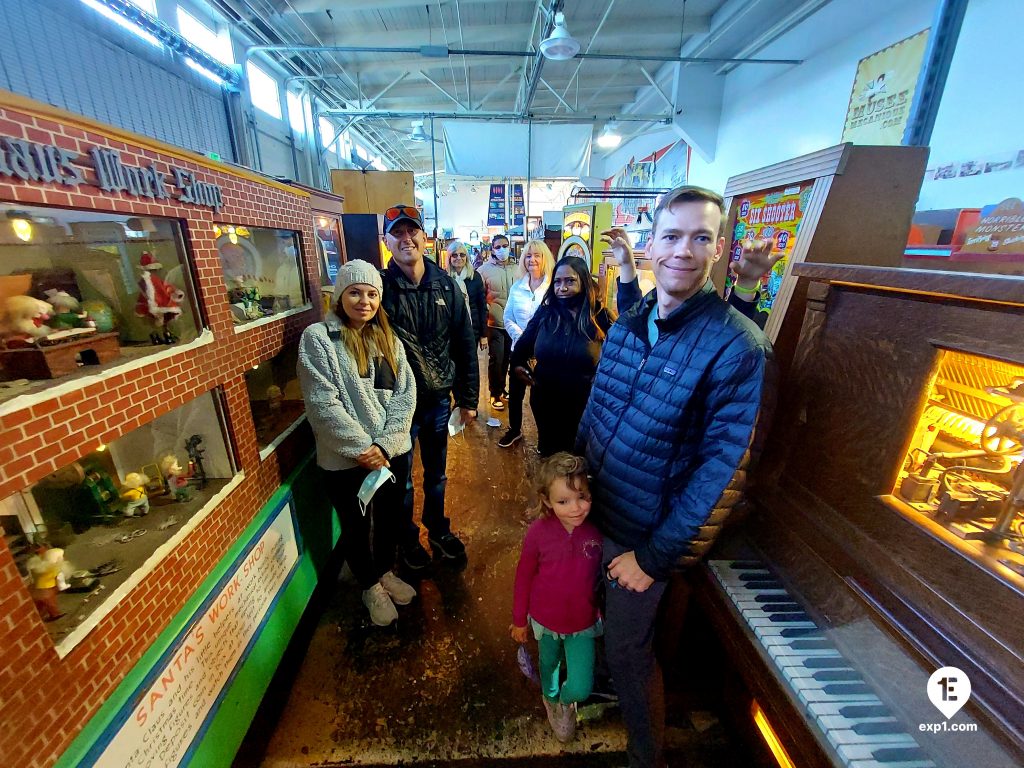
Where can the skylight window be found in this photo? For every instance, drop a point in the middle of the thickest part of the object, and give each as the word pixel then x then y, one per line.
pixel 264 91
pixel 204 38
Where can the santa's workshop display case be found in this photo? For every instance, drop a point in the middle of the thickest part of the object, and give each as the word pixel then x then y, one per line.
pixel 275 398
pixel 131 472
pixel 82 288
pixel 83 530
pixel 262 270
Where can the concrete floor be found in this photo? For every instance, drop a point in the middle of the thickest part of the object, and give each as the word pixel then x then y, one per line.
pixel 441 687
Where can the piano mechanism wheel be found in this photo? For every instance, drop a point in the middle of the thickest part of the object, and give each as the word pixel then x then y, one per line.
pixel 1004 432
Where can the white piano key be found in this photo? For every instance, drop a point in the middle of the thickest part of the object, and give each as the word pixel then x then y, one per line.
pixel 896 738
pixel 884 756
pixel 811 696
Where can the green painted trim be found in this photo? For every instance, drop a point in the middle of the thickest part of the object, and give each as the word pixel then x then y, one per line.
pixel 256 670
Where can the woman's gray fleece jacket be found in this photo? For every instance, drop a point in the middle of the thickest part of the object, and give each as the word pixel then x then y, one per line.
pixel 348 412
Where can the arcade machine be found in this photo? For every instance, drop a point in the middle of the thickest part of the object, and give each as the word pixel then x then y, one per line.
pixel 582 225
pixel 847 204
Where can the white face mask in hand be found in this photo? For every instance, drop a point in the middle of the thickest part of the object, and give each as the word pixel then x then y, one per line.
pixel 371 485
pixel 455 424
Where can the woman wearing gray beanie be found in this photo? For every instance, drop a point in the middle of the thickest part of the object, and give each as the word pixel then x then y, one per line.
pixel 360 395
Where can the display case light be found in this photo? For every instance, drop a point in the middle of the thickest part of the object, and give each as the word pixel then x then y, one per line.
pixel 770 738
pixel 22 229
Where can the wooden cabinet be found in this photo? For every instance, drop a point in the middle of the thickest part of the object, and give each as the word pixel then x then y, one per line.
pixel 372 191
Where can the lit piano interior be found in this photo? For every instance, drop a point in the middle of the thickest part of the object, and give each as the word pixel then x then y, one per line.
pixel 883 533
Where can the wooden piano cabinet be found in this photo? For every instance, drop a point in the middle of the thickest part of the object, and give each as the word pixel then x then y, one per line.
pixel 854 559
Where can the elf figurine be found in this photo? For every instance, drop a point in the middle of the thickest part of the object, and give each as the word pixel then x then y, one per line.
pixel 158 300
pixel 49 577
pixel 133 494
pixel 176 477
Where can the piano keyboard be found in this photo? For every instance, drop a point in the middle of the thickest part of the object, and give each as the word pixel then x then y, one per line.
pixel 860 728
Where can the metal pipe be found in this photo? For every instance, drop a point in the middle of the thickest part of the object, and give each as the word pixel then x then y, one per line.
pixel 573 118
pixel 433 167
pixel 436 52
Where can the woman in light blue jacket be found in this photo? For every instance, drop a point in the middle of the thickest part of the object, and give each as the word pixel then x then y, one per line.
pixel 360 396
pixel 523 299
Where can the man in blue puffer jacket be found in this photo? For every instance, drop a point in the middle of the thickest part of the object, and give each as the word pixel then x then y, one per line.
pixel 680 391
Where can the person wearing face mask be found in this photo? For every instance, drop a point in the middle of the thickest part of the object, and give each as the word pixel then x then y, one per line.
pixel 498 277
pixel 472 286
pixel 360 395
pixel 527 292
pixel 564 337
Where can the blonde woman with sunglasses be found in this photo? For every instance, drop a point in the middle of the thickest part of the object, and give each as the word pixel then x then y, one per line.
pixel 472 286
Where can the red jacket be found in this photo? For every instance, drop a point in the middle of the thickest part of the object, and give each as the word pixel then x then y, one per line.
pixel 557 575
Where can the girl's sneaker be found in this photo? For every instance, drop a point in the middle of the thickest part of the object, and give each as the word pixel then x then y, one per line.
pixel 378 603
pixel 562 720
pixel 400 592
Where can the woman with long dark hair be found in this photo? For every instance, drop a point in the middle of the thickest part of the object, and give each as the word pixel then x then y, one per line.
pixel 360 395
pixel 564 338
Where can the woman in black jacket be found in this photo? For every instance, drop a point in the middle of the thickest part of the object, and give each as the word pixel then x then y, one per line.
pixel 472 286
pixel 564 337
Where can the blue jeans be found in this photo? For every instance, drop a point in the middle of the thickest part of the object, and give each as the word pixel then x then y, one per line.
pixel 430 427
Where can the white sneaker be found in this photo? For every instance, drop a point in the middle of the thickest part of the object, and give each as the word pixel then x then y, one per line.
pixel 400 592
pixel 377 601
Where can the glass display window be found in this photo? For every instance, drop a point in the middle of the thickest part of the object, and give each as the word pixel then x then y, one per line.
pixel 80 532
pixel 262 270
pixel 84 288
pixel 275 397
pixel 963 469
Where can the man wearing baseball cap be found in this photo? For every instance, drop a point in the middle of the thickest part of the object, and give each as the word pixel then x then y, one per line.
pixel 428 313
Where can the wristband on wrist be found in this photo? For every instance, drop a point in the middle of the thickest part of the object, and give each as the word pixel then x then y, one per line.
pixel 737 288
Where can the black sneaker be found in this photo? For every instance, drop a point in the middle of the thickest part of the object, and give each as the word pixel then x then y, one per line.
pixel 416 558
pixel 448 546
pixel 509 439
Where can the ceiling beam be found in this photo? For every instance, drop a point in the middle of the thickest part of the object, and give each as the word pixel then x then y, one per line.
pixel 319 6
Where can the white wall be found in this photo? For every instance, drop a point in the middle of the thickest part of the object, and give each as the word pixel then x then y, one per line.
pixel 773 113
pixel 981 111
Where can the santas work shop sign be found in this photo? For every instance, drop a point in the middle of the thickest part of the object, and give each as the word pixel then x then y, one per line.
pixel 165 717
pixel 29 161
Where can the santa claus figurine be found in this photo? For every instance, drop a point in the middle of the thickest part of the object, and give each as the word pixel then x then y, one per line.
pixel 158 300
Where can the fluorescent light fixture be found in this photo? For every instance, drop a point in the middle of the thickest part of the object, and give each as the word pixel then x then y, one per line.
pixel 124 23
pixel 560 45
pixel 609 137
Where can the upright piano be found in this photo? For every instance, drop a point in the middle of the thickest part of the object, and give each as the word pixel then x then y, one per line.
pixel 884 532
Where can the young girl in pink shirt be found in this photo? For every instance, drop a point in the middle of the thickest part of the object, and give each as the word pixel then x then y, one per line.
pixel 555 589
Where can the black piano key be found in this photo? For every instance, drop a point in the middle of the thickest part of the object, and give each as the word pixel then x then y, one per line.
pixel 801 632
pixel 764 585
pixel 812 644
pixel 856 711
pixel 877 729
pixel 899 754
pixel 847 689
pixel 781 618
pixel 838 676
pixel 766 598
pixel 747 565
pixel 780 607
pixel 755 575
pixel 821 662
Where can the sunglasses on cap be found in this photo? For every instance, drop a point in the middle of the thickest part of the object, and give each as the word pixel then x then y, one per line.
pixel 402 211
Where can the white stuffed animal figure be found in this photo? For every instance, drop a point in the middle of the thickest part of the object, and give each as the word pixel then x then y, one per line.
pixel 25 317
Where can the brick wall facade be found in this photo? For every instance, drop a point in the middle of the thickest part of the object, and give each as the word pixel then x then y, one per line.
pixel 45 700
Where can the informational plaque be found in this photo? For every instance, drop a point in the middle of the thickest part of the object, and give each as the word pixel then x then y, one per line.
pixel 163 721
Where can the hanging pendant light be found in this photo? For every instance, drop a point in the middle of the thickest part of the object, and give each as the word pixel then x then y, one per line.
pixel 560 45
pixel 418 134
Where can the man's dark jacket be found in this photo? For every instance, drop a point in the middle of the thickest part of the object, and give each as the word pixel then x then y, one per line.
pixel 667 431
pixel 433 323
